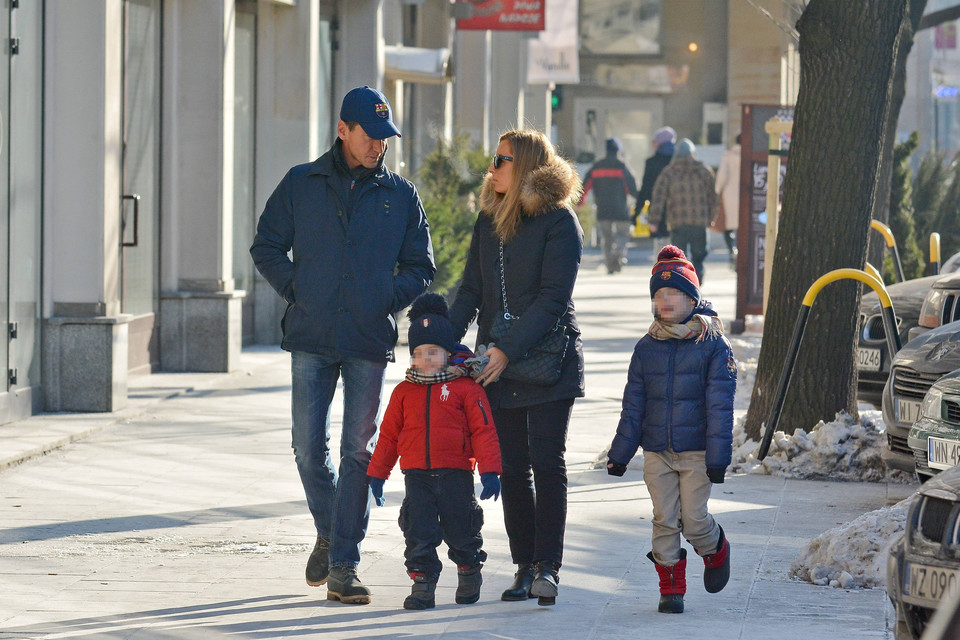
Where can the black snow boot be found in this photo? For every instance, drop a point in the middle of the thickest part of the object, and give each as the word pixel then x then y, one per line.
pixel 673 583
pixel 522 581
pixel 716 570
pixel 421 593
pixel 468 585
pixel 318 564
pixel 545 582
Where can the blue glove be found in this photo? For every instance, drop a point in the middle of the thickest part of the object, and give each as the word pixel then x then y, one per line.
pixel 491 486
pixel 376 488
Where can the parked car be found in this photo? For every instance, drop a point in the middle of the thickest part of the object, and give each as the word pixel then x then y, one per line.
pixel 917 366
pixel 873 362
pixel 923 567
pixel 941 305
pixel 935 436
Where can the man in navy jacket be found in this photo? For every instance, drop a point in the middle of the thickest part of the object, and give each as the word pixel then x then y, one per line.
pixel 361 253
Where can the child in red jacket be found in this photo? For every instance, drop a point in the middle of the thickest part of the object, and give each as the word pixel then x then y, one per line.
pixel 440 425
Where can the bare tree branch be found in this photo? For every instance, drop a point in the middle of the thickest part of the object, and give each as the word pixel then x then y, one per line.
pixel 939 17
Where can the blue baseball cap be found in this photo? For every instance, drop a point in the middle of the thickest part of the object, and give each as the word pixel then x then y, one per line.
pixel 369 108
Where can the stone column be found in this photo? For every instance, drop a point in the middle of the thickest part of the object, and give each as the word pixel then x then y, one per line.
pixel 200 312
pixel 472 86
pixel 85 335
pixel 506 106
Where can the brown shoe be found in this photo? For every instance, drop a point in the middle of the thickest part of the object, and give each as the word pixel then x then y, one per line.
pixel 345 586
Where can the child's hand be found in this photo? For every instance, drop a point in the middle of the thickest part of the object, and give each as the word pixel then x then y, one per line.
pixel 491 486
pixel 716 475
pixel 376 488
pixel 616 468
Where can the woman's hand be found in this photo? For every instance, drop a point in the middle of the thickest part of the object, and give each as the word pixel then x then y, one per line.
pixel 491 372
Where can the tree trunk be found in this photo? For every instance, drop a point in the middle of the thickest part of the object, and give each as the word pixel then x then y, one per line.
pixel 846 68
pixel 881 210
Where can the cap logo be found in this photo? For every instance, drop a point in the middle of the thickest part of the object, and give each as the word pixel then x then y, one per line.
pixel 665 275
pixel 425 322
pixel 382 109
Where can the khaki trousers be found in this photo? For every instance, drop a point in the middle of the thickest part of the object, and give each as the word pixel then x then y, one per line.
pixel 679 488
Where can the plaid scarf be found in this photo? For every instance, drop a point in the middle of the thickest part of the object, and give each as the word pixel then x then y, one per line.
pixel 450 373
pixel 699 327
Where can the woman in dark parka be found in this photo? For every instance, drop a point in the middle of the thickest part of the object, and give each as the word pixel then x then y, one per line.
pixel 526 205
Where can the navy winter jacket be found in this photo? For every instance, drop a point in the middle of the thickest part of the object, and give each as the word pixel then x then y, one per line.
pixel 361 253
pixel 679 396
pixel 611 182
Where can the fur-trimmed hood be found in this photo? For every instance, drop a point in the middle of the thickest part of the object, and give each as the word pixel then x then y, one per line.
pixel 551 186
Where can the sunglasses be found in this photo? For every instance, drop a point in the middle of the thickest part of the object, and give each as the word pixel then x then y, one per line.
pixel 499 159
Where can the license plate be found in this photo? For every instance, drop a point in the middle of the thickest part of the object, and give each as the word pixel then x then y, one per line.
pixel 942 453
pixel 926 585
pixel 907 410
pixel 868 359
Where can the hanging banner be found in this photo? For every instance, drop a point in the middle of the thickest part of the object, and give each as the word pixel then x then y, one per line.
pixel 504 15
pixel 554 55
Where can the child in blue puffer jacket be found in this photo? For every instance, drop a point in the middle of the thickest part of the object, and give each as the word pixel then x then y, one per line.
pixel 678 406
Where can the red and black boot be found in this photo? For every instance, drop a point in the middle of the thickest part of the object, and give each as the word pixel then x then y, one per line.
pixel 716 570
pixel 673 583
pixel 422 593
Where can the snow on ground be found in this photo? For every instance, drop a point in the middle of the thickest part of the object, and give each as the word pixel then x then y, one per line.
pixel 852 555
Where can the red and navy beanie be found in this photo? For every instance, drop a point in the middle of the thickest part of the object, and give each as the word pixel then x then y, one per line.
pixel 430 324
pixel 674 270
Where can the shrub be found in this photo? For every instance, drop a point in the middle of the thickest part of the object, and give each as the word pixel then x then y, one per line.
pixel 901 214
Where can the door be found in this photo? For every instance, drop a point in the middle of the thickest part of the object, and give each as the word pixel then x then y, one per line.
pixel 140 213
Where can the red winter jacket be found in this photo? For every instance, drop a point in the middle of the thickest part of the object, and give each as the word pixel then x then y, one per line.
pixel 437 426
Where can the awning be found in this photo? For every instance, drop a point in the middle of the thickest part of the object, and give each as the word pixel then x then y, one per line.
pixel 416 64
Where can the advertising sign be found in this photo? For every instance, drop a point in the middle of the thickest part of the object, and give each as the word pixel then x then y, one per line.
pixel 504 15
pixel 751 236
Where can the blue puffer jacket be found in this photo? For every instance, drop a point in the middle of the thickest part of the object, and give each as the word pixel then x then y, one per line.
pixel 361 253
pixel 679 396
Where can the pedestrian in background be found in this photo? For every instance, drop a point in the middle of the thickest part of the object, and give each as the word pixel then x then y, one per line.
pixel 685 203
pixel 678 406
pixel 728 188
pixel 361 253
pixel 526 248
pixel 663 148
pixel 439 424
pixel 611 182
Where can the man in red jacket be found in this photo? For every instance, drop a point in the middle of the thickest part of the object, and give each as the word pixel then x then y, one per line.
pixel 440 425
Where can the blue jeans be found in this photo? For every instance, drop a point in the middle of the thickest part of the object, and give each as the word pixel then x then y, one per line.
pixel 340 503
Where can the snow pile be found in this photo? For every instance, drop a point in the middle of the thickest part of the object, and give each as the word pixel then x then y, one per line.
pixel 843 449
pixel 746 350
pixel 853 554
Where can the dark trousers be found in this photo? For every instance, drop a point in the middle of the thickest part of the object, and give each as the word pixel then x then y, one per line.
pixel 693 241
pixel 440 506
pixel 534 480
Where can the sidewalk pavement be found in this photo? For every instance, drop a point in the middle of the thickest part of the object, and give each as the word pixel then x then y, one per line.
pixel 183 517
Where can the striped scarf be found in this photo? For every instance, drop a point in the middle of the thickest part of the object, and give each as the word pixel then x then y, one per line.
pixel 450 373
pixel 699 327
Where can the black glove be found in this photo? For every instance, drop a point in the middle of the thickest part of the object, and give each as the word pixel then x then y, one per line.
pixel 716 474
pixel 616 468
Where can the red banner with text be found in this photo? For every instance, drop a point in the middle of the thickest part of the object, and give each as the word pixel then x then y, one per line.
pixel 504 15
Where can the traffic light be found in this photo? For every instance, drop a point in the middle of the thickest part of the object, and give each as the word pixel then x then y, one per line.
pixel 556 98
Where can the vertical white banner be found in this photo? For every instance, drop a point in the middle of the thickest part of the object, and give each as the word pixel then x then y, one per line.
pixel 553 55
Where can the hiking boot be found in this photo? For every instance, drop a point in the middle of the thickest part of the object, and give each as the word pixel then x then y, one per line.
pixel 716 570
pixel 421 593
pixel 673 583
pixel 522 580
pixel 468 585
pixel 318 564
pixel 345 586
pixel 545 582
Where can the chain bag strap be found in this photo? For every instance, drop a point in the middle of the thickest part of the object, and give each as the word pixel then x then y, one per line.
pixel 543 363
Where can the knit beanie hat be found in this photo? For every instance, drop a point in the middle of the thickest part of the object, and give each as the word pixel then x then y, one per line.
pixel 684 148
pixel 664 134
pixel 674 270
pixel 613 146
pixel 429 323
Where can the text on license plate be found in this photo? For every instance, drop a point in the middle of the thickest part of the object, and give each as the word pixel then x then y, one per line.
pixel 868 359
pixel 931 584
pixel 907 410
pixel 942 453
